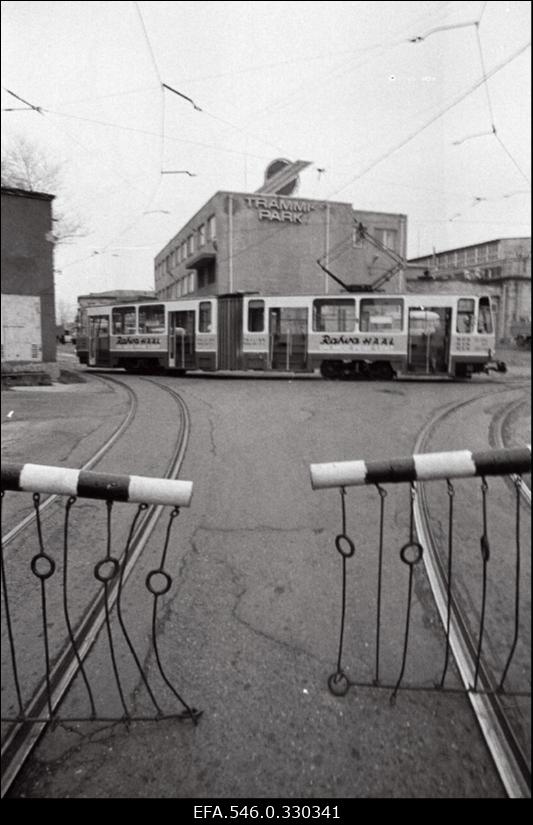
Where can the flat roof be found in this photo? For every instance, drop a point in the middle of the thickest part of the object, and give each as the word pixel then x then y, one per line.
pixel 468 246
pixel 26 193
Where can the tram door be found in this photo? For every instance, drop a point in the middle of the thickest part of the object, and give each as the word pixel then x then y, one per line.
pixel 181 348
pixel 99 354
pixel 230 332
pixel 429 340
pixel 288 338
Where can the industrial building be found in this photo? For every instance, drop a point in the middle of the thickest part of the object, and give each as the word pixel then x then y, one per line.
pixel 270 242
pixel 500 268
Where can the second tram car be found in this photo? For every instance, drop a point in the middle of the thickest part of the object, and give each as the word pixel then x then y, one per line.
pixel 363 335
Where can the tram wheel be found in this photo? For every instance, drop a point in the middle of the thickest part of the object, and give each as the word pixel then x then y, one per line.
pixel 381 371
pixel 331 369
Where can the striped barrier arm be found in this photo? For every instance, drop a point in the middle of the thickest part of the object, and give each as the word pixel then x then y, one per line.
pixel 422 467
pixel 39 478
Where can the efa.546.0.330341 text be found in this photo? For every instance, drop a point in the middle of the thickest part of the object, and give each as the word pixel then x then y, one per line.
pixel 277 811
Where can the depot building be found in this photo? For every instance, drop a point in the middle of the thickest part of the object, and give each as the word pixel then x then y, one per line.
pixel 270 243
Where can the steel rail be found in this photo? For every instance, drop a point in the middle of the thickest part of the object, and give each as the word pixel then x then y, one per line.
pixel 100 453
pixel 496 438
pixel 23 736
pixel 509 759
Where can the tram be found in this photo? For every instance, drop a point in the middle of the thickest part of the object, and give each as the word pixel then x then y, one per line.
pixel 363 335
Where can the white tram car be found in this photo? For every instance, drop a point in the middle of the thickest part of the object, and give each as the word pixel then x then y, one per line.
pixel 363 335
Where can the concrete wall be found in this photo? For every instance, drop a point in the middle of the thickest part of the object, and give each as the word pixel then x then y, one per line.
pixel 27 264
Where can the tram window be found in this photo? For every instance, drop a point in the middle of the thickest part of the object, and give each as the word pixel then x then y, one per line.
pixel 99 326
pixel 333 315
pixel 204 317
pixel 288 320
pixel 152 319
pixel 381 315
pixel 465 315
pixel 484 323
pixel 256 316
pixel 124 321
pixel 83 322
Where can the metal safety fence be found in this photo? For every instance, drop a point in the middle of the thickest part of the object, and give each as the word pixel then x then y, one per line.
pixel 65 600
pixel 458 568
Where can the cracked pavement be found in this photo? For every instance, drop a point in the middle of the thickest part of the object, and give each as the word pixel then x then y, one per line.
pixel 250 628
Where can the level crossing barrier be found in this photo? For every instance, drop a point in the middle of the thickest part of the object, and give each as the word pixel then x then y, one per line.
pixel 63 632
pixel 417 545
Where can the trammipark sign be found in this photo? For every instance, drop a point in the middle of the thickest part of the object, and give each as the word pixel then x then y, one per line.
pixel 279 209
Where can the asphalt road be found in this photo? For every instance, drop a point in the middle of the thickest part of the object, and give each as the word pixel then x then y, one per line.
pixel 250 631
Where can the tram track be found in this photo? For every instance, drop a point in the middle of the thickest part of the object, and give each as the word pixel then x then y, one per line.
pixel 497 440
pixel 506 749
pixel 89 465
pixel 23 736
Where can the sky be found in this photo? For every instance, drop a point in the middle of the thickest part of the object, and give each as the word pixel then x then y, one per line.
pixel 421 108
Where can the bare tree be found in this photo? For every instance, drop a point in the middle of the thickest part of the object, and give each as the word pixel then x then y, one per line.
pixel 26 166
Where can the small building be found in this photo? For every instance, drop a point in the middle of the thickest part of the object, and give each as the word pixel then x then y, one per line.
pixel 270 243
pixel 28 299
pixel 500 268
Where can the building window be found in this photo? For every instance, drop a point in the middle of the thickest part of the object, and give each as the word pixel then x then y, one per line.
pixel 190 244
pixel 484 323
pixel 152 318
pixel 388 237
pixel 470 256
pixel 201 235
pixel 381 315
pixel 357 238
pixel 212 228
pixel 204 316
pixel 124 321
pixel 465 315
pixel 333 315
pixel 190 284
pixel 184 250
pixel 256 316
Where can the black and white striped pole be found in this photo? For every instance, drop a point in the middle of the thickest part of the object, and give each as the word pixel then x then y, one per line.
pixel 40 478
pixel 422 467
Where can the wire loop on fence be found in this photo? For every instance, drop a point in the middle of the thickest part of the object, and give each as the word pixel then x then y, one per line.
pixel 105 611
pixel 412 470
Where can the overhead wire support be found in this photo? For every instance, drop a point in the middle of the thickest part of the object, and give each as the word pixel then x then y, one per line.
pixel 30 106
pixel 435 117
pixel 420 37
pixel 180 94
